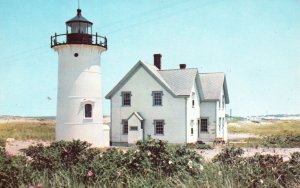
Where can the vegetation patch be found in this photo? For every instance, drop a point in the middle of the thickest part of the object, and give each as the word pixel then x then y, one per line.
pixel 152 163
pixel 259 170
pixel 271 128
pixel 28 131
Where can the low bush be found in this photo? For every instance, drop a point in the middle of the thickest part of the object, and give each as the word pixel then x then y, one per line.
pixel 2 143
pixel 281 141
pixel 152 163
pixel 198 145
pixel 260 170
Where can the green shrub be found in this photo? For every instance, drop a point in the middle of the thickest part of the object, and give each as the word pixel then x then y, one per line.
pixel 151 163
pixel 281 141
pixel 13 170
pixel 2 142
pixel 260 170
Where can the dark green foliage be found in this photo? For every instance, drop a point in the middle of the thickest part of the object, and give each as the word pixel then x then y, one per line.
pixel 229 155
pixel 150 164
pixel 260 170
pixel 2 142
pixel 150 160
pixel 198 145
pixel 281 141
pixel 13 170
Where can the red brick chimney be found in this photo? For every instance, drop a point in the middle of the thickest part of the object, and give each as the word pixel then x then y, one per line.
pixel 157 60
pixel 182 66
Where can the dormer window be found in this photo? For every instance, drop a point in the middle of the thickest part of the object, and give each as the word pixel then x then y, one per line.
pixel 88 108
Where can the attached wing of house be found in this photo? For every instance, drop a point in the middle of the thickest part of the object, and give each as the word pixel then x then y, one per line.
pixel 211 85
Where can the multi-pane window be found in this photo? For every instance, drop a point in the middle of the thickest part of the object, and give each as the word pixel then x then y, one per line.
pixel 125 126
pixel 135 128
pixel 157 98
pixel 204 125
pixel 192 127
pixel 220 123
pixel 159 126
pixel 88 110
pixel 193 99
pixel 126 98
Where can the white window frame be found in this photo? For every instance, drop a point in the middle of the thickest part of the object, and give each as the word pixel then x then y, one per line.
pixel 123 93
pixel 163 126
pixel 154 100
pixel 204 118
pixel 193 99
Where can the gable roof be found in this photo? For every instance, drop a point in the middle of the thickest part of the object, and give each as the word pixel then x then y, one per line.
pixel 177 82
pixel 181 81
pixel 211 85
pixel 138 115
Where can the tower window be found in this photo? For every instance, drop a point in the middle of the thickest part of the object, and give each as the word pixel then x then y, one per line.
pixel 88 110
pixel 76 55
pixel 126 98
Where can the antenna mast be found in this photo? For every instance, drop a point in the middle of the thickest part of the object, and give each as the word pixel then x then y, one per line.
pixel 78 4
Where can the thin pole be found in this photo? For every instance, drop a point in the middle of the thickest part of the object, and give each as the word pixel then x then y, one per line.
pixel 78 4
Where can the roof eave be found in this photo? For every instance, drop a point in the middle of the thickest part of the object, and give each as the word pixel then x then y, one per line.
pixel 226 91
pixel 130 74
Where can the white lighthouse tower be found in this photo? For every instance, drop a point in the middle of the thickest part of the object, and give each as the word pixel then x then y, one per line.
pixel 79 104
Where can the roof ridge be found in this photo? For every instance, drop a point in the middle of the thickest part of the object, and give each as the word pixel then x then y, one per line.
pixel 177 69
pixel 210 72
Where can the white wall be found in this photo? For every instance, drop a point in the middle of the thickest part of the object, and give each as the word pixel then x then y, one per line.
pixel 79 82
pixel 208 110
pixel 141 85
pixel 222 129
pixel 193 113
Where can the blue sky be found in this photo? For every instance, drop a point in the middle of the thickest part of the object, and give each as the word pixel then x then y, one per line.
pixel 256 43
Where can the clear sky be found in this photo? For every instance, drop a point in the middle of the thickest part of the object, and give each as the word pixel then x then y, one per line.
pixel 255 42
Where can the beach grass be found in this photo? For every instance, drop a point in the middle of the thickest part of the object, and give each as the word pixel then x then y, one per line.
pixel 276 127
pixel 28 130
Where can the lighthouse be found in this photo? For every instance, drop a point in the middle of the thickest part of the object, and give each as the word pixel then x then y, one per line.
pixel 79 100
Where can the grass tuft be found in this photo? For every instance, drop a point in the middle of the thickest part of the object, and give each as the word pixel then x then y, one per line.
pixel 28 131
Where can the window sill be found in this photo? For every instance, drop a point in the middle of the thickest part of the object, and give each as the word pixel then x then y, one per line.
pixel 159 135
pixel 157 105
pixel 126 105
pixel 204 132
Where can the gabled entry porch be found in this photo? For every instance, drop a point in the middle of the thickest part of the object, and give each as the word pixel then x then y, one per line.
pixel 135 128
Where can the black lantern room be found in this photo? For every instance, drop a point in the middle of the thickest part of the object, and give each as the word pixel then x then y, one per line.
pixel 78 31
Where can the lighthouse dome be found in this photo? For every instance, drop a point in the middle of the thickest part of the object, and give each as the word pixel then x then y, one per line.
pixel 79 24
pixel 78 18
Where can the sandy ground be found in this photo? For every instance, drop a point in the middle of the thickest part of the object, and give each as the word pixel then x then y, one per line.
pixel 285 153
pixel 13 147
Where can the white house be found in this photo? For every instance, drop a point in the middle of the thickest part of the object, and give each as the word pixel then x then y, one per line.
pixel 177 105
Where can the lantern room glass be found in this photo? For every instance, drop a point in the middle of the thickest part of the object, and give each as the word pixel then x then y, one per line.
pixel 79 27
